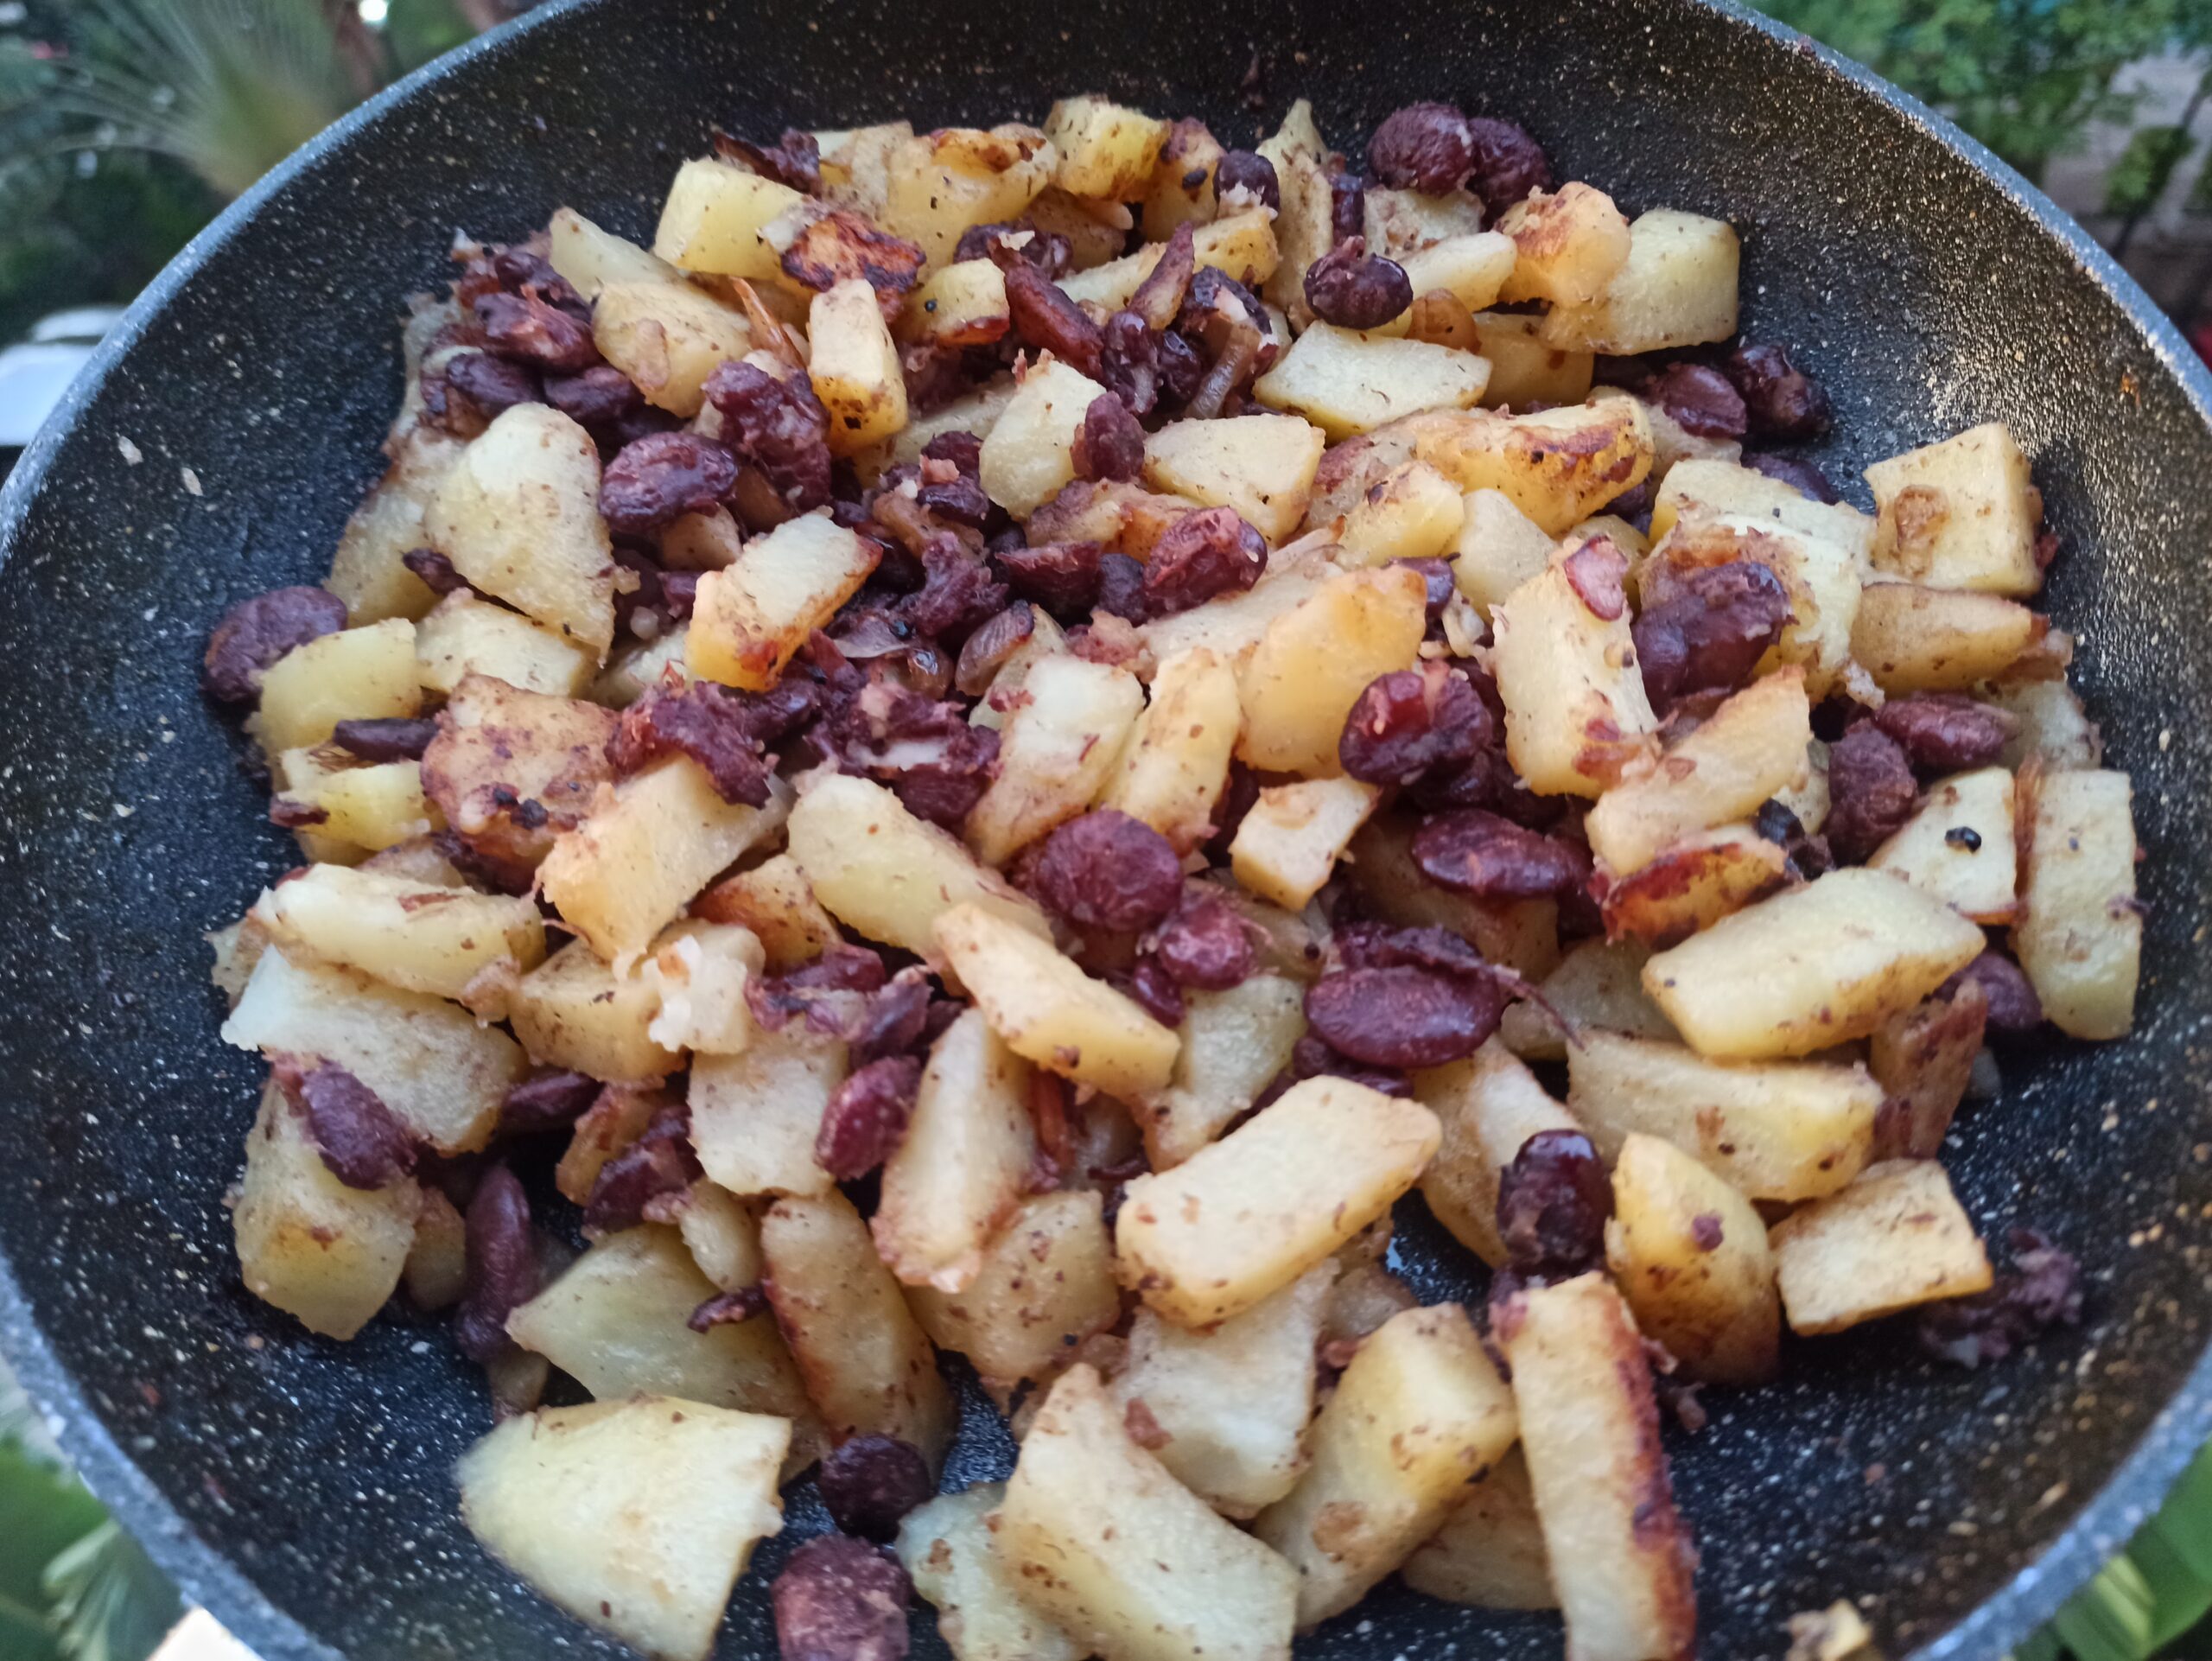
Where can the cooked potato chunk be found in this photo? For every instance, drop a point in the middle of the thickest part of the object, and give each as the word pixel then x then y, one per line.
pixel 1692 885
pixel 368 571
pixel 963 304
pixel 1960 514
pixel 723 1234
pixel 357 674
pixel 1558 467
pixel 574 1011
pixel 1599 983
pixel 774 902
pixel 869 1367
pixel 512 770
pixel 854 366
pixel 1916 639
pixel 1723 491
pixel 2054 727
pixel 1251 1212
pixel 635 1517
pixel 326 1253
pixel 1127 1560
pixel 668 338
pixel 1261 465
pixel 1172 771
pixel 1289 844
pixel 1488 1105
pixel 1782 1130
pixel 1471 266
pixel 1959 846
pixel 1242 244
pixel 1524 369
pixel 587 259
pixel 1577 717
pixel 951 1551
pixel 1029 454
pixel 1621 1560
pixel 1182 189
pixel 1398 223
pixel 417 938
pixel 1896 1238
pixel 1234 1043
pixel 1046 1284
pixel 363 808
pixel 1925 1058
pixel 964 1163
pixel 1496 550
pixel 698 972
pixel 938 184
pixel 975 412
pixel 463 636
pixel 2080 936
pixel 714 217
pixel 1489 1553
pixel 441 1074
pixel 1414 513
pixel 1314 660
pixel 1810 969
pixel 1304 227
pixel 1057 752
pixel 1690 1255
pixel 1677 289
pixel 518 517
pixel 1345 382
pixel 751 619
pixel 437 1270
pixel 1050 1013
pixel 1107 150
pixel 1569 247
pixel 754 1117
pixel 1418 1414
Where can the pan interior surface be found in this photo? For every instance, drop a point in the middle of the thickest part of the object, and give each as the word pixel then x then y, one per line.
pixel 303 1488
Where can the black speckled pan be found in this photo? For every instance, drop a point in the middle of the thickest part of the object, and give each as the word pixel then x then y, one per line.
pixel 300 1488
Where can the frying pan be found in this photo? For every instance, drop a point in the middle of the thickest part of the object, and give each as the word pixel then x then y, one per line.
pixel 301 1489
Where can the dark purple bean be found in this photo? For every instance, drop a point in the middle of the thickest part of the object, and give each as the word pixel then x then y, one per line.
pixel 522 326
pixel 1109 444
pixel 1347 206
pixel 548 1100
pixel 493 385
pixel 1800 476
pixel 726 732
pixel 2043 1289
pixel 435 571
pixel 1155 990
pixel 594 397
pixel 390 738
pixel 1490 857
pixel 2014 1008
pixel 1424 147
pixel 1870 791
pixel 659 1163
pixel 1105 869
pixel 795 160
pixel 893 1021
pixel 1710 630
pixel 1552 1202
pixel 657 480
pixel 501 1269
pixel 1700 400
pixel 361 1141
pixel 1205 946
pixel 1402 1016
pixel 869 1483
pixel 1201 556
pixel 839 1599
pixel 1947 732
pixel 1780 401
pixel 1352 289
pixel 729 1309
pixel 1410 721
pixel 866 1117
pixel 1043 316
pixel 1505 163
pixel 255 632
pixel 1252 174
pixel 778 427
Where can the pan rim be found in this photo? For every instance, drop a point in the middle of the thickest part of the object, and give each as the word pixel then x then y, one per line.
pixel 2129 1495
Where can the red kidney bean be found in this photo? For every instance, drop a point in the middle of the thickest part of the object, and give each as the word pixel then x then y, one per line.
pixel 1552 1202
pixel 1701 401
pixel 1482 854
pixel 1199 557
pixel 658 1163
pixel 839 1599
pixel 1109 444
pixel 1352 289
pixel 869 1483
pixel 1710 630
pixel 548 1100
pixel 2014 1008
pixel 501 1270
pixel 1800 475
pixel 776 426
pixel 795 160
pixel 1870 791
pixel 1105 869
pixel 1205 945
pixel 656 480
pixel 1779 400
pixel 1505 163
pixel 1423 147
pixel 389 738
pixel 1411 722
pixel 1947 732
pixel 866 1117
pixel 1403 1017
pixel 1249 173
pixel 523 326
pixel 361 1141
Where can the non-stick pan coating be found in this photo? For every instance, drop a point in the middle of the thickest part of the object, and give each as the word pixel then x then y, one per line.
pixel 302 1487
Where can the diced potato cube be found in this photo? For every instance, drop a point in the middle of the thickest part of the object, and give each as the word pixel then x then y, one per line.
pixel 856 164
pixel 518 517
pixel 698 972
pixel 357 674
pixel 1261 465
pixel 1775 1130
pixel 854 366
pixel 1289 844
pixel 869 1367
pixel 1916 639
pixel 649 845
pixel 964 1162
pixel 1488 1105
pixel 464 635
pixel 1925 1059
pixel 587 259
pixel 755 1116
pixel 1489 1553
pixel 1416 512
pixel 888 875
pixel 1896 1238
pixel 1558 467
pixel 1677 289
pixel 1418 1414
pixel 1131 1564
pixel 1107 150
pixel 1175 766
pixel 1569 247
pixel 1693 884
pixel 1345 382
pixel 2080 936
pixel 1249 1214
pixel 635 1517
pixel 1621 1559
pixel 774 902
pixel 1960 514
pixel 1525 369
pixel 1242 244
pixel 1690 1254
pixel 1811 969
pixel 1709 490
pixel 1234 1044
pixel 1126 518
pixel 723 1234
pixel 1045 1284
pixel 1305 229
pixel 751 619
pixel 368 571
pixel 363 808
pixel 436 1271
pixel 643 664
pixel 1049 1012
pixel 618 1116
pixel 1577 717
pixel 714 217
pixel 963 304
pixel 500 748
pixel 1182 189
pixel 2054 727
pixel 1314 661
pixel 1046 640
pixel 442 1074
pixel 975 412
pixel 573 1011
pixel 1029 453
pixel 1473 267
pixel 951 1551
pixel 1599 983
pixel 1400 223
pixel 1959 846
pixel 417 938
pixel 1057 752
pixel 668 338
pixel 938 184
pixel 1233 626
pixel 327 1255
pixel 1496 549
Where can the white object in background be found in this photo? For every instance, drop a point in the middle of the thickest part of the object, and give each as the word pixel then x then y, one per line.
pixel 35 374
pixel 197 1638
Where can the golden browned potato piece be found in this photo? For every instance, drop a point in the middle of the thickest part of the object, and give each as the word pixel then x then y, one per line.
pixel 1677 289
pixel 1489 1553
pixel 2080 936
pixel 1314 661
pixel 1577 717
pixel 1690 1254
pixel 751 619
pixel 1960 514
pixel 1896 1238
pixel 1046 1284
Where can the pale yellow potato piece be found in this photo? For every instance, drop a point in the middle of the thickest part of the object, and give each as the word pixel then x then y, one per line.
pixel 589 257
pixel 368 571
pixel 1569 246
pixel 1753 746
pixel 1315 660
pixel 698 972
pixel 1176 197
pixel 1960 514
pixel 1418 1414
pixel 1487 1105
pixel 463 635
pixel 723 1234
pixel 650 843
pixel 668 338
pixel 2055 728
pixel 1489 1553
pixel 1621 1559
pixel 1692 884
pixel 1471 266
pixel 442 1074
pixel 1696 490
pixel 853 364
pixel 1597 983
pixel 1234 1043
pixel 714 217
pixel 1286 847
pixel 1029 452
pixel 1926 1059
pixel 1577 717
pixel 1049 1012
pixel 418 938
pixel 437 1270
pixel 1677 289
pixel 1414 513
pixel 1110 1547
pixel 975 412
pixel 751 619
pixel 938 184
pixel 1261 465
pixel 856 164
pixel 2080 936
pixel 888 875
pixel 1977 874
pixel 1057 752
pixel 1345 382
pixel 357 674
pixel 1400 223
pixel 1249 1213
pixel 1558 467
pixel 518 517
pixel 1774 1131
pixel 1523 368
pixel 964 1165
pixel 1175 766
pixel 1232 627
pixel 635 1517
pixel 327 1255
pixel 1232 1401
pixel 1812 967
pixel 1305 229
pixel 1690 1254
pixel 1522 935
pixel 1896 1238
pixel 951 1552
pixel 573 1011
pixel 869 1367
pixel 1242 244
pixel 1914 639
pixel 754 1117
pixel 1497 549
pixel 366 809
pixel 640 664
pixel 963 304
pixel 1107 150
pixel 774 902
pixel 1046 1284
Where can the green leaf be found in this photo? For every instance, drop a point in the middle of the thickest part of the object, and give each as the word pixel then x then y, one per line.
pixel 110 1602
pixel 2110 1618
pixel 43 1511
